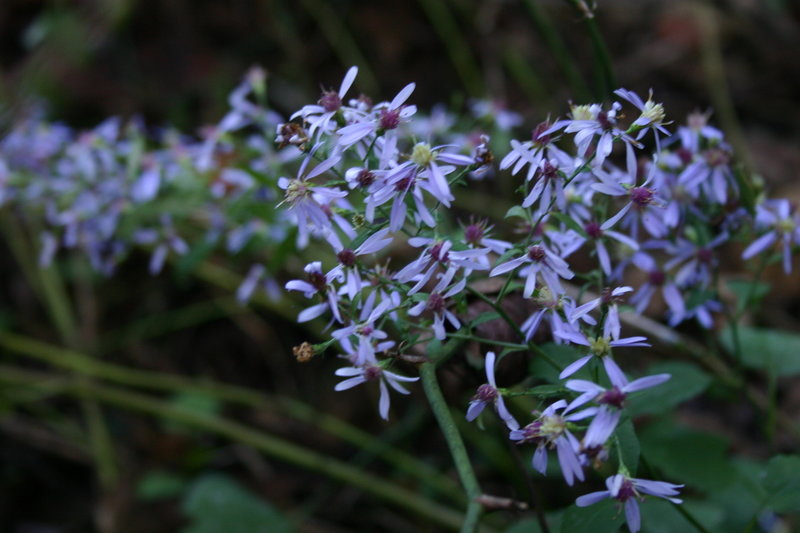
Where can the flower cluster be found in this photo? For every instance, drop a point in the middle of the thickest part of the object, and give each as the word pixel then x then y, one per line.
pixel 375 190
pixel 375 183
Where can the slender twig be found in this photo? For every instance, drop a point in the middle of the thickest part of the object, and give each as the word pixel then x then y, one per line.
pixel 603 64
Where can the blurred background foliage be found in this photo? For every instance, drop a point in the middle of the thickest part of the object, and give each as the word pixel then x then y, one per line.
pixel 174 62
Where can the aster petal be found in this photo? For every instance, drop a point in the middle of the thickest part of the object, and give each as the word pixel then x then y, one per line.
pixel 574 367
pixel 402 96
pixel 646 382
pixel 632 515
pixel 592 498
pixel 352 72
pixel 383 403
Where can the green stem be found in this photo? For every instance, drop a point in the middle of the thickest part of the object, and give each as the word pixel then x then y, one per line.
pixel 457 48
pixel 608 81
pixel 273 446
pixel 558 48
pixel 455 442
pixel 88 366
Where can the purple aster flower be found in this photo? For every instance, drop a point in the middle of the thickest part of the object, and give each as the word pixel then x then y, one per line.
pixel 540 148
pixel 611 400
pixel 424 163
pixel 597 234
pixel 317 284
pixel 710 174
pixel 257 276
pixel 437 303
pixel 652 117
pixel 488 393
pixel 598 346
pixel 589 121
pixel 697 132
pixel 364 331
pixel 348 266
pixel 356 375
pixel 699 261
pixel 641 200
pixel 164 239
pixel 549 430
pixel 538 259
pixel 703 312
pixel 385 118
pixel 783 224
pixel 627 491
pixel 306 200
pixel 439 254
pixel 497 112
pixel 611 299
pixel 657 279
pixel 319 116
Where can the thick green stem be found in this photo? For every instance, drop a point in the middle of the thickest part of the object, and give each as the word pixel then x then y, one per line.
pixel 271 445
pixel 455 443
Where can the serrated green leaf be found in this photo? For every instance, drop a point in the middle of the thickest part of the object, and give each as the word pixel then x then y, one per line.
pixel 216 503
pixel 766 349
pixel 603 516
pixel 687 381
pixel 782 483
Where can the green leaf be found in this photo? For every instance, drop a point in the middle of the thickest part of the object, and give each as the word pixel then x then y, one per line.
pixel 743 499
pixel 159 485
pixel 782 483
pixel 482 318
pixel 766 349
pixel 191 401
pixel 601 517
pixel 216 503
pixel 748 292
pixel 687 381
pixel 686 455
pixel 519 212
pixel 528 525
pixel 570 222
pixel 628 445
pixel 659 516
pixel 547 391
pixel 562 355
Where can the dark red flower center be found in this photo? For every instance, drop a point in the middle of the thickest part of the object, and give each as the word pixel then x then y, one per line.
pixel 330 101
pixel 436 302
pixel 347 257
pixel 641 196
pixel 593 230
pixel 486 393
pixel 389 119
pixel 536 253
pixel 613 397
pixel 473 234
